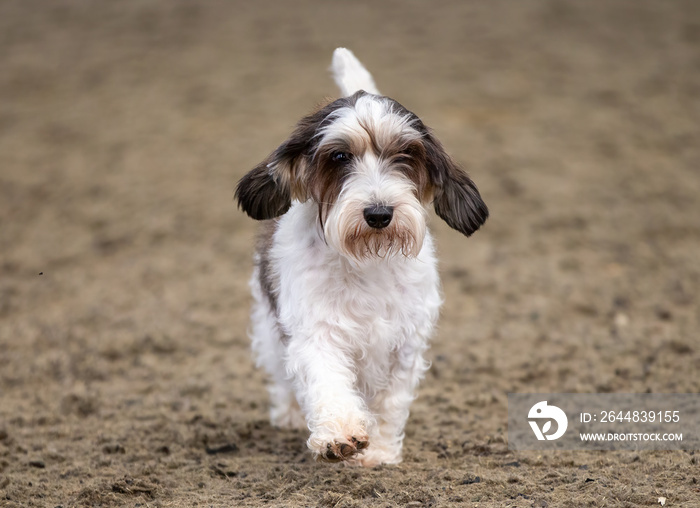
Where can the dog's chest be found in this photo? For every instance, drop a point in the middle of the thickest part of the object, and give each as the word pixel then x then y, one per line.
pixel 386 303
pixel 379 305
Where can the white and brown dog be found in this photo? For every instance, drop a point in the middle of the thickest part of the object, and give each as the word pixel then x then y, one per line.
pixel 345 283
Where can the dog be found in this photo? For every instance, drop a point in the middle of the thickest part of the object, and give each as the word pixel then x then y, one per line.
pixel 345 281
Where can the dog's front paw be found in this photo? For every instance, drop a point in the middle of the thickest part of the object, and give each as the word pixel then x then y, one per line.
pixel 339 451
pixel 337 448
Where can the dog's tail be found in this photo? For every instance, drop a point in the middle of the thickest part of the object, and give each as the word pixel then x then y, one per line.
pixel 350 75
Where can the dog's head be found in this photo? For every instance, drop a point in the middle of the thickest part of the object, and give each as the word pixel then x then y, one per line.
pixel 371 166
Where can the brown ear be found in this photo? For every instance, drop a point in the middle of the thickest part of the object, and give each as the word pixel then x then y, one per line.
pixel 457 200
pixel 266 192
pixel 261 193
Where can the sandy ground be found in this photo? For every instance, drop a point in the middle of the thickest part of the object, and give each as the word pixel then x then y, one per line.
pixel 125 373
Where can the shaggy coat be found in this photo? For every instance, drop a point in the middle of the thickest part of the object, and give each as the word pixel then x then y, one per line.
pixel 345 286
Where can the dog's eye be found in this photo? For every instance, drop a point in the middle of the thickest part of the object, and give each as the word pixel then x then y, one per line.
pixel 341 157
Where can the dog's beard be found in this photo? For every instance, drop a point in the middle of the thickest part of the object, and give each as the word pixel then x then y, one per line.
pixel 347 231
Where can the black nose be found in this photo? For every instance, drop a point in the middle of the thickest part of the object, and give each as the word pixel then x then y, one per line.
pixel 378 216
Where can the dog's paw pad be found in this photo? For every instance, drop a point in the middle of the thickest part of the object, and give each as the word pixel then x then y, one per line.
pixel 338 451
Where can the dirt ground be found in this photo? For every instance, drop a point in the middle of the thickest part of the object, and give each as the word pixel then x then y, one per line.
pixel 125 372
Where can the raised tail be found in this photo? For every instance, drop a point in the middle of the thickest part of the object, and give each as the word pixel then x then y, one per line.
pixel 350 75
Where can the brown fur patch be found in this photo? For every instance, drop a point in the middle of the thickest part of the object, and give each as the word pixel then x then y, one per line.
pixel 410 158
pixel 269 282
pixel 365 243
pixel 325 180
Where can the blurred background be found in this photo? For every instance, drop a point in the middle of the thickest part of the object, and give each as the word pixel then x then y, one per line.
pixel 125 373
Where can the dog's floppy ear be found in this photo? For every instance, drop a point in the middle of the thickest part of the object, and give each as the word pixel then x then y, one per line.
pixel 266 192
pixel 456 199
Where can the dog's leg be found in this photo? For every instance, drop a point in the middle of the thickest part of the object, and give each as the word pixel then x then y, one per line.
pixel 284 409
pixel 392 407
pixel 335 413
pixel 268 347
